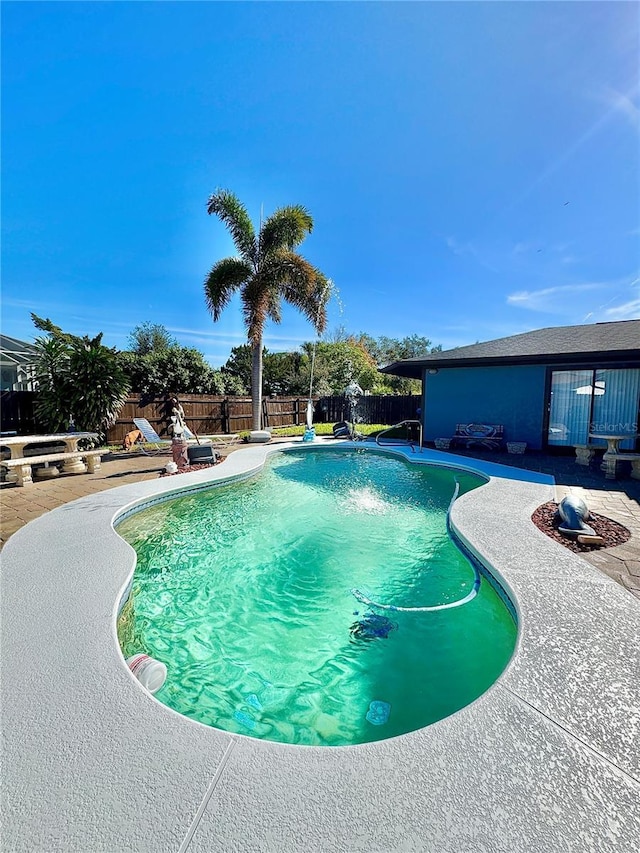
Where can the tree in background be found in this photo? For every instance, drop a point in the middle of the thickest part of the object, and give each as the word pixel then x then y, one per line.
pixel 346 357
pixel 285 374
pixel 158 365
pixel 79 380
pixel 338 360
pixel 151 338
pixel 176 370
pixel 337 364
pixel 281 371
pixel 266 271
pixel 386 350
pixel 238 367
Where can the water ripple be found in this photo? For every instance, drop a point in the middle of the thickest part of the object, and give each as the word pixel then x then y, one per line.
pixel 245 593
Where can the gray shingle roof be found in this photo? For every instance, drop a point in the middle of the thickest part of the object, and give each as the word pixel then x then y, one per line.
pixel 556 344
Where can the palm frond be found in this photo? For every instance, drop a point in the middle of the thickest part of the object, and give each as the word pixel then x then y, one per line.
pixel 301 285
pixel 312 303
pixel 319 299
pixel 230 210
pixel 285 229
pixel 274 304
pixel 256 301
pixel 224 278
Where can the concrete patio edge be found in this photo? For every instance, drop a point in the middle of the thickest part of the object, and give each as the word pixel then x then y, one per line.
pixel 547 759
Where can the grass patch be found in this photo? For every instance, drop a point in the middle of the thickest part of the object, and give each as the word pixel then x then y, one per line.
pixel 326 429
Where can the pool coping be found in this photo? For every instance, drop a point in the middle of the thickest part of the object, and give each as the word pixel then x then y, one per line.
pixel 545 759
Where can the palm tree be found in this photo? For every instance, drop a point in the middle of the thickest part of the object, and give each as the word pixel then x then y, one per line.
pixel 266 271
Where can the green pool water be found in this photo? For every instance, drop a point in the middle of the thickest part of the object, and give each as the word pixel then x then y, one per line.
pixel 245 593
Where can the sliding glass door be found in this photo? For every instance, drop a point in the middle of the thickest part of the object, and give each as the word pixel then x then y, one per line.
pixel 585 401
pixel 570 409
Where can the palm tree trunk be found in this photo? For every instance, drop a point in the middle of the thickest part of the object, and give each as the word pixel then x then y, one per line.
pixel 256 384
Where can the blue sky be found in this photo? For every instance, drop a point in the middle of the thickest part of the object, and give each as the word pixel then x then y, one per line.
pixel 472 169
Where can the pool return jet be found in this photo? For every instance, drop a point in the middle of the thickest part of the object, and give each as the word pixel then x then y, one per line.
pixel 431 608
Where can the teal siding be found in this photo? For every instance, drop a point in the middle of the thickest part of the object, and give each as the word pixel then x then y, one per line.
pixel 512 396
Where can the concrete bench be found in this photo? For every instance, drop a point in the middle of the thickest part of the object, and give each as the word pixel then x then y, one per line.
pixel 610 464
pixel 73 464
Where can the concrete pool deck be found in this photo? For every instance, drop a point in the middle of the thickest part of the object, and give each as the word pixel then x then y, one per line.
pixel 618 500
pixel 546 760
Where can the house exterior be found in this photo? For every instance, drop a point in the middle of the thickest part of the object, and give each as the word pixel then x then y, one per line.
pixel 16 364
pixel 549 388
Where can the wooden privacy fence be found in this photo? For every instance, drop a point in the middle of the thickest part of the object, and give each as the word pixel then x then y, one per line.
pixel 211 415
pixel 16 412
pixel 371 409
pixel 208 414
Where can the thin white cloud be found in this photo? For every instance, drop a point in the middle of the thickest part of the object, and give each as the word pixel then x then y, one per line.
pixel 623 103
pixel 479 254
pixel 29 304
pixel 628 311
pixel 561 299
pixel 522 248
pixel 207 338
pixel 205 334
pixel 70 312
pixel 474 331
pixel 569 298
pixel 456 247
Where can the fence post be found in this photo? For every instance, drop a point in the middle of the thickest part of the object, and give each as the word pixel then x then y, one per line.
pixel 226 420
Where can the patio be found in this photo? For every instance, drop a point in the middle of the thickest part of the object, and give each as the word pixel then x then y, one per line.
pixel 546 759
pixel 615 499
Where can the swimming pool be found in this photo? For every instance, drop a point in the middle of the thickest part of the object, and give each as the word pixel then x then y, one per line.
pixel 521 767
pixel 254 596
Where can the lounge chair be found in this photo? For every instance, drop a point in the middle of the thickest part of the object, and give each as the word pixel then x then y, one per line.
pixel 190 436
pixel 151 437
pixel 224 440
pixel 160 444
